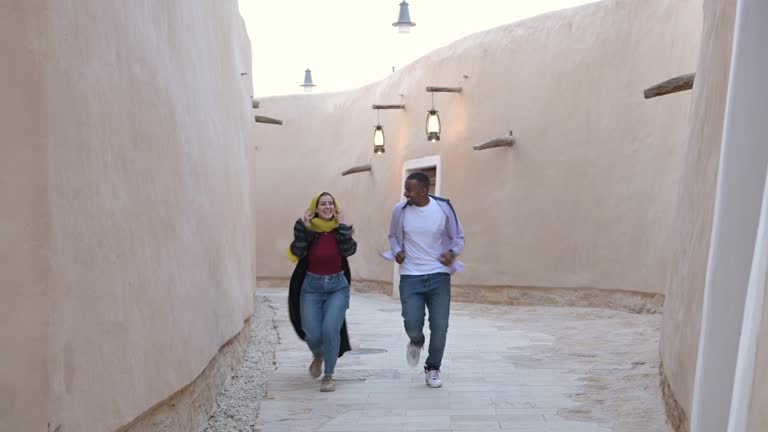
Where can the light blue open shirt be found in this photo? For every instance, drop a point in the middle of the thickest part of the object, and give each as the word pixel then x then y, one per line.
pixel 452 236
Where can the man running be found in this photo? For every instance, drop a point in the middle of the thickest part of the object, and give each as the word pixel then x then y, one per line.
pixel 425 237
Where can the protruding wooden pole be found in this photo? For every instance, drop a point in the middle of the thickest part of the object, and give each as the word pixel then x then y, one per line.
pixel 507 141
pixel 444 89
pixel 267 120
pixel 673 85
pixel 374 106
pixel 357 169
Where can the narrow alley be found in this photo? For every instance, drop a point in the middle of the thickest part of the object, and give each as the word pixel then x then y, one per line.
pixel 532 369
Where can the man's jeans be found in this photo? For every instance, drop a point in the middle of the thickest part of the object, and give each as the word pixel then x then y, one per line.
pixel 434 291
pixel 324 301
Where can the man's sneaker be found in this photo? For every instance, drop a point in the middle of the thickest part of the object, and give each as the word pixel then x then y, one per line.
pixel 315 368
pixel 327 384
pixel 433 378
pixel 412 354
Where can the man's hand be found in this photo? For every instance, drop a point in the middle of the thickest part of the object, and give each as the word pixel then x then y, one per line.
pixel 400 257
pixel 447 258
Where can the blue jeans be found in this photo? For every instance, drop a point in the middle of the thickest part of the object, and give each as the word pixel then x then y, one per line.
pixel 434 291
pixel 324 301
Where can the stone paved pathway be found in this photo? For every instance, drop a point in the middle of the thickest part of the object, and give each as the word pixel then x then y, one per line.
pixel 527 369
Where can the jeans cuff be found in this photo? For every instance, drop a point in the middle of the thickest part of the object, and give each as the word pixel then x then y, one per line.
pixel 418 342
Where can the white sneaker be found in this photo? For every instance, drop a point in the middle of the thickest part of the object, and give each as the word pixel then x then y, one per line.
pixel 327 384
pixel 412 354
pixel 433 378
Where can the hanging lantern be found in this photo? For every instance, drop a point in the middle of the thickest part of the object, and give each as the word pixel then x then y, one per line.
pixel 433 126
pixel 404 22
pixel 378 140
pixel 308 84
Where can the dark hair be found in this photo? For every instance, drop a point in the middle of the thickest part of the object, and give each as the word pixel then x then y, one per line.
pixel 420 177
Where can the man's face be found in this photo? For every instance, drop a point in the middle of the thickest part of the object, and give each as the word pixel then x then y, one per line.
pixel 415 193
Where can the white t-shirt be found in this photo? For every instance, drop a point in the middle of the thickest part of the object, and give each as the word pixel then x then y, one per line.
pixel 423 227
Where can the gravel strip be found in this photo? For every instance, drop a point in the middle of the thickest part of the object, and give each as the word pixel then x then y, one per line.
pixel 238 406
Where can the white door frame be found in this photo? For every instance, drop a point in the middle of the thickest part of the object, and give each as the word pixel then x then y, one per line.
pixel 741 399
pixel 740 185
pixel 413 165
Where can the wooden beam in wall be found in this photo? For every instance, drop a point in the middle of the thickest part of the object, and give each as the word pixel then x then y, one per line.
pixel 357 169
pixel 444 89
pixel 267 120
pixel 505 141
pixel 673 85
pixel 374 106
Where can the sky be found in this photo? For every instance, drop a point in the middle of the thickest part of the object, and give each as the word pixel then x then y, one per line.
pixel 351 43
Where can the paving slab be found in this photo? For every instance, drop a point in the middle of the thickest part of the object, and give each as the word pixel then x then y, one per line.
pixel 506 368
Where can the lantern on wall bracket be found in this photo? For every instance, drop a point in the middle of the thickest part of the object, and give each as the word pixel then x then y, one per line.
pixel 378 136
pixel 433 125
pixel 378 131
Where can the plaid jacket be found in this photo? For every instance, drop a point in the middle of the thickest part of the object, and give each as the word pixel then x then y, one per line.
pixel 303 238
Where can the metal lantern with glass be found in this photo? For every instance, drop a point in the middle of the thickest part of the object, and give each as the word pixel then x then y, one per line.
pixel 378 136
pixel 433 123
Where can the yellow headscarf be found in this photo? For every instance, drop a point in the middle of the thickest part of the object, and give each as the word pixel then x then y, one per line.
pixel 318 224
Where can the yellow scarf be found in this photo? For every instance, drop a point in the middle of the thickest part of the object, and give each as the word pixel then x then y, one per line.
pixel 317 224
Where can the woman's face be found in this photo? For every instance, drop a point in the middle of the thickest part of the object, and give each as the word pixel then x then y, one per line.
pixel 325 208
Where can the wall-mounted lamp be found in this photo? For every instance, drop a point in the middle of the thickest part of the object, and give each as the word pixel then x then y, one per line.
pixel 308 81
pixel 378 137
pixel 404 22
pixel 433 126
pixel 378 131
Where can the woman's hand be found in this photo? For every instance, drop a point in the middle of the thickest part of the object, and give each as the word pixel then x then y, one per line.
pixel 340 216
pixel 307 217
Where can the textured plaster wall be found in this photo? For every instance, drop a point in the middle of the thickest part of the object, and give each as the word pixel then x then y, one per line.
pixel 583 200
pixel 24 221
pixel 692 224
pixel 127 215
pixel 758 417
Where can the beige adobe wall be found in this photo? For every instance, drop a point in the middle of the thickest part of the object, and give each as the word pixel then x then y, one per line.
pixel 693 218
pixel 132 223
pixel 24 221
pixel 758 417
pixel 584 199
